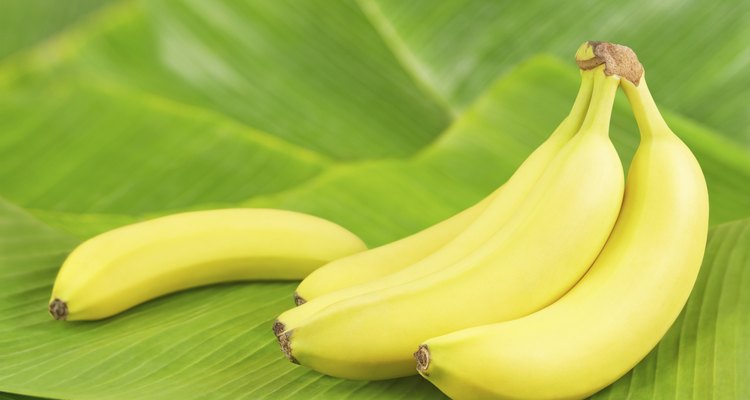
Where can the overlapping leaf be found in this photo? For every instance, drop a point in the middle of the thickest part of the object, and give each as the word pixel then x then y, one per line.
pixel 288 68
pixel 696 57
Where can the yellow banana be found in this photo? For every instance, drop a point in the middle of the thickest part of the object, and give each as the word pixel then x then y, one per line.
pixel 381 261
pixel 502 205
pixel 419 248
pixel 537 256
pixel 127 266
pixel 620 309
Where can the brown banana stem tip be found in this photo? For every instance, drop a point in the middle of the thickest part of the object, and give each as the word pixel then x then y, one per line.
pixel 278 328
pixel 283 337
pixel 299 300
pixel 423 359
pixel 617 59
pixel 58 309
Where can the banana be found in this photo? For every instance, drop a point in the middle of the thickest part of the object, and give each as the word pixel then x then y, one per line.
pixel 538 255
pixel 127 266
pixel 621 308
pixel 502 205
pixel 422 248
pixel 378 262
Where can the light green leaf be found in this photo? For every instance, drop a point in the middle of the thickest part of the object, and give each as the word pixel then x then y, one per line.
pixel 332 108
pixel 313 73
pixel 78 133
pixel 696 57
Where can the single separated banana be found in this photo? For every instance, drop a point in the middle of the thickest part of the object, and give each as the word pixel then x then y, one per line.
pixel 503 203
pixel 537 256
pixel 130 265
pixel 622 307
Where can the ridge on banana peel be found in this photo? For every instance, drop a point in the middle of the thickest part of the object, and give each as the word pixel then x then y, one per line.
pixel 502 205
pixel 531 261
pixel 127 266
pixel 622 307
pixel 378 262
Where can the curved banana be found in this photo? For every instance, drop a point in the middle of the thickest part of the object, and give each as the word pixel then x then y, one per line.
pixel 378 262
pixel 127 266
pixel 503 204
pixel 620 309
pixel 538 255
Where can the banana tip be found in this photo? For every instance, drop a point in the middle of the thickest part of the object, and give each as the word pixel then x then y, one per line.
pixel 298 300
pixel 58 309
pixel 283 337
pixel 422 356
pixel 278 327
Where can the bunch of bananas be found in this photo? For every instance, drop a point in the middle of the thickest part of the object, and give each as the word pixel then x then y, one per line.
pixel 553 286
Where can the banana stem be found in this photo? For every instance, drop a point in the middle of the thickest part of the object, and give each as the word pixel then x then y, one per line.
pixel 58 309
pixel 583 98
pixel 600 109
pixel 573 121
pixel 650 122
pixel 299 300
pixel 422 356
pixel 283 336
pixel 617 59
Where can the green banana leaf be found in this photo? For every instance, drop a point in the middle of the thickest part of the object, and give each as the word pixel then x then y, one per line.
pixel 25 23
pixel 694 55
pixel 382 116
